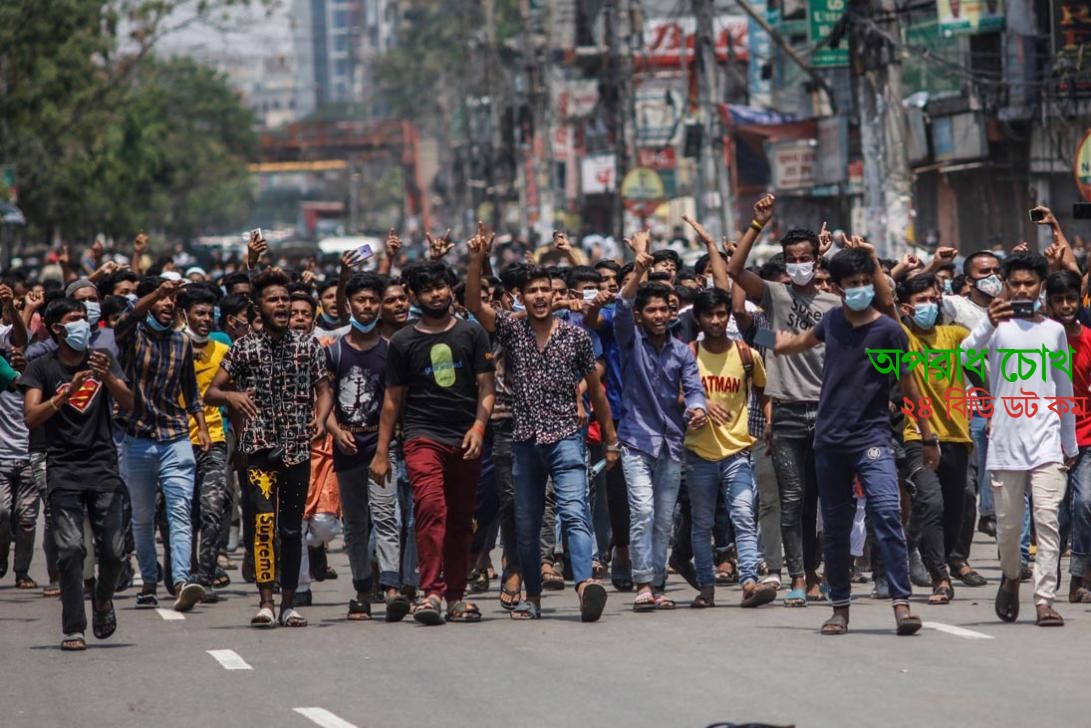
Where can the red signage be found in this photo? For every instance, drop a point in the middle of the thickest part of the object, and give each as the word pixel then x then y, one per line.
pixel 657 158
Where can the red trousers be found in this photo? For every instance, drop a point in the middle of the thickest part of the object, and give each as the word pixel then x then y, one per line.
pixel 444 489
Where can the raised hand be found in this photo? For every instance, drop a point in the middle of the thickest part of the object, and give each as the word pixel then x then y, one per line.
pixel 702 234
pixel 763 208
pixel 1047 216
pixel 561 241
pixel 100 364
pixel 1022 247
pixel 825 239
pixel 946 255
pixel 167 289
pixel 393 244
pixel 438 248
pixel 140 243
pixel 7 297
pixel 256 248
pixel 639 243
pixel 33 300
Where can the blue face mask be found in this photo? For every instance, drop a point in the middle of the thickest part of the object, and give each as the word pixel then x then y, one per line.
pixel 77 334
pixel 215 317
pixel 859 298
pixel 517 306
pixel 154 325
pixel 94 312
pixel 130 297
pixel 925 314
pixel 364 328
pixel 329 319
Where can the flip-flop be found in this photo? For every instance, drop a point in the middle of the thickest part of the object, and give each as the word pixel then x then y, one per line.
pixel 592 602
pixel 515 594
pixel 662 601
pixel 795 598
pixel 264 619
pixel 526 611
pixel 291 618
pixel 759 595
pixel 823 594
pixel 644 602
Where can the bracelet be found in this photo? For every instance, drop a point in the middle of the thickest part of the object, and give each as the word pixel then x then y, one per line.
pixel 756 226
pixel 477 426
pixel 613 447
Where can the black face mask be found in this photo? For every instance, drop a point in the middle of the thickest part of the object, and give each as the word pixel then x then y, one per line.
pixel 437 312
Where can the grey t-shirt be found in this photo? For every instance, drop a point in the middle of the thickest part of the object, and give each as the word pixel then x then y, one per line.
pixel 14 439
pixel 795 378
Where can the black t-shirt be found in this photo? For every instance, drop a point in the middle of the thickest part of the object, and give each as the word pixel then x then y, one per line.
pixel 358 388
pixel 440 374
pixel 80 451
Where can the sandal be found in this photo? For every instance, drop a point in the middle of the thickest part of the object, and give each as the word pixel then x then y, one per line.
pixel 706 599
pixel 1006 604
pixel 727 574
pixel 908 624
pixel 264 619
pixel 22 581
pixel 592 601
pixel 479 581
pixel 1049 618
pixel 526 610
pixel 359 611
pixel 621 578
pixel 73 642
pixel 427 611
pixel 968 576
pixel 461 611
pixel 551 580
pixel 795 598
pixel 759 595
pixel 822 595
pixel 291 618
pixel 52 590
pixel 397 606
pixel 515 595
pixel 662 601
pixel 838 624
pixel 103 623
pixel 221 581
pixel 644 602
pixel 941 595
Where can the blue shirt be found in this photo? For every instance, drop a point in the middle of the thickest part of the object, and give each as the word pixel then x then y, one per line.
pixel 613 363
pixel 653 379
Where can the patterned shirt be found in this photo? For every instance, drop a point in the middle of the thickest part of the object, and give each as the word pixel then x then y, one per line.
pixel 543 382
pixel 757 414
pixel 160 370
pixel 282 375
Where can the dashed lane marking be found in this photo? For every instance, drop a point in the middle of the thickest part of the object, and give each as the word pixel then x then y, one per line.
pixel 323 717
pixel 229 659
pixel 169 614
pixel 966 634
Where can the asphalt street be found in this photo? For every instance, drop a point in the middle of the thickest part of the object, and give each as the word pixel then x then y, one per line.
pixel 682 668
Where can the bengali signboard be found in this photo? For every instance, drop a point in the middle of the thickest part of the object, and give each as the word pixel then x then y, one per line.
pixel 822 16
pixel 966 17
pixel 1082 167
pixel 671 41
pixel 793 164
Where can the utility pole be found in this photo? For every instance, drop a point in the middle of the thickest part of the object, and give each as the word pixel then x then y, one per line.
pixel 619 66
pixel 541 99
pixel 878 75
pixel 492 93
pixel 710 88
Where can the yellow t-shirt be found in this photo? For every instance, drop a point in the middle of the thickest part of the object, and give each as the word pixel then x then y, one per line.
pixel 948 428
pixel 206 360
pixel 723 377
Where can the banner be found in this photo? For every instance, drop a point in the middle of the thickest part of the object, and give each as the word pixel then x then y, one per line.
pixel 822 16
pixel 966 17
pixel 670 41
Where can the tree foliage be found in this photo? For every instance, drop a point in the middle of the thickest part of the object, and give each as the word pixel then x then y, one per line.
pixel 106 137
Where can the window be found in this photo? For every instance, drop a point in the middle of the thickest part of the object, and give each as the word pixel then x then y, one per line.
pixel 341 43
pixel 340 18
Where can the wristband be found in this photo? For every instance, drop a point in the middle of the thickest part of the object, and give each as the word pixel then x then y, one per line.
pixel 756 226
pixel 478 427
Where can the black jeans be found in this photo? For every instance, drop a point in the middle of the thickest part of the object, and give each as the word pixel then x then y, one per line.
pixel 793 461
pixel 277 494
pixel 937 503
pixel 617 500
pixel 505 492
pixel 104 509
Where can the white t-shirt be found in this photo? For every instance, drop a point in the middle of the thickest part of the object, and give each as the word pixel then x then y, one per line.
pixel 1026 442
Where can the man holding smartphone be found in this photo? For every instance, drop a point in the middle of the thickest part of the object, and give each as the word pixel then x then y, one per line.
pixel 1031 451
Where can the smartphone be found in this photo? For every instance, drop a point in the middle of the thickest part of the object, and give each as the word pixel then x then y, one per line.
pixel 1022 309
pixel 247 235
pixel 590 294
pixel 765 338
pixel 595 470
pixel 364 252
pixel 1037 215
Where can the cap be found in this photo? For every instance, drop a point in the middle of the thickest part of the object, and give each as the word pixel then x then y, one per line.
pixel 196 269
pixel 77 285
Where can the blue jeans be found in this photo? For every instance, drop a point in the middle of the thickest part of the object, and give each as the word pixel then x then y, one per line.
pixel 653 483
pixel 564 461
pixel 149 466
pixel 981 450
pixel 879 477
pixel 1075 515
pixel 705 480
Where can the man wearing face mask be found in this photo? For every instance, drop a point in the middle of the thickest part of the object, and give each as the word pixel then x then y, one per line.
pixel 69 395
pixel 210 487
pixel 853 433
pixel 982 270
pixel 441 368
pixel 795 386
pixel 84 291
pixel 1032 451
pixel 157 451
pixel 938 497
pixel 357 364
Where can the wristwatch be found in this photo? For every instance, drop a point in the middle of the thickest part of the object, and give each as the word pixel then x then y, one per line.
pixel 613 447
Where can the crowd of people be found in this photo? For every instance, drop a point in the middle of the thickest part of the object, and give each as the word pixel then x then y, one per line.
pixel 607 422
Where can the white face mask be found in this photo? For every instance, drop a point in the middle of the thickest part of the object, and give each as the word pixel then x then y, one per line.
pixel 990 286
pixel 195 337
pixel 800 273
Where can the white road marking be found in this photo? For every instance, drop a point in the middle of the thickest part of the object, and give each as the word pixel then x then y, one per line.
pixel 229 659
pixel 169 614
pixel 967 634
pixel 323 717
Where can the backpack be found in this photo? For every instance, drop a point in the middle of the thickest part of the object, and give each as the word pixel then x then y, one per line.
pixel 745 353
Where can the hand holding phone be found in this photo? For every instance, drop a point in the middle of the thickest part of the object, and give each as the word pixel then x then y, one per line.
pixel 1022 309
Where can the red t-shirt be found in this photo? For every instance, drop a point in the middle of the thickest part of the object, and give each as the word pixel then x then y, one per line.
pixel 1081 383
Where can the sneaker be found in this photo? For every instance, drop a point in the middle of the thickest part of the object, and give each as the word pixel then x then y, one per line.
pixel 146 600
pixel 917 573
pixel 189 594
